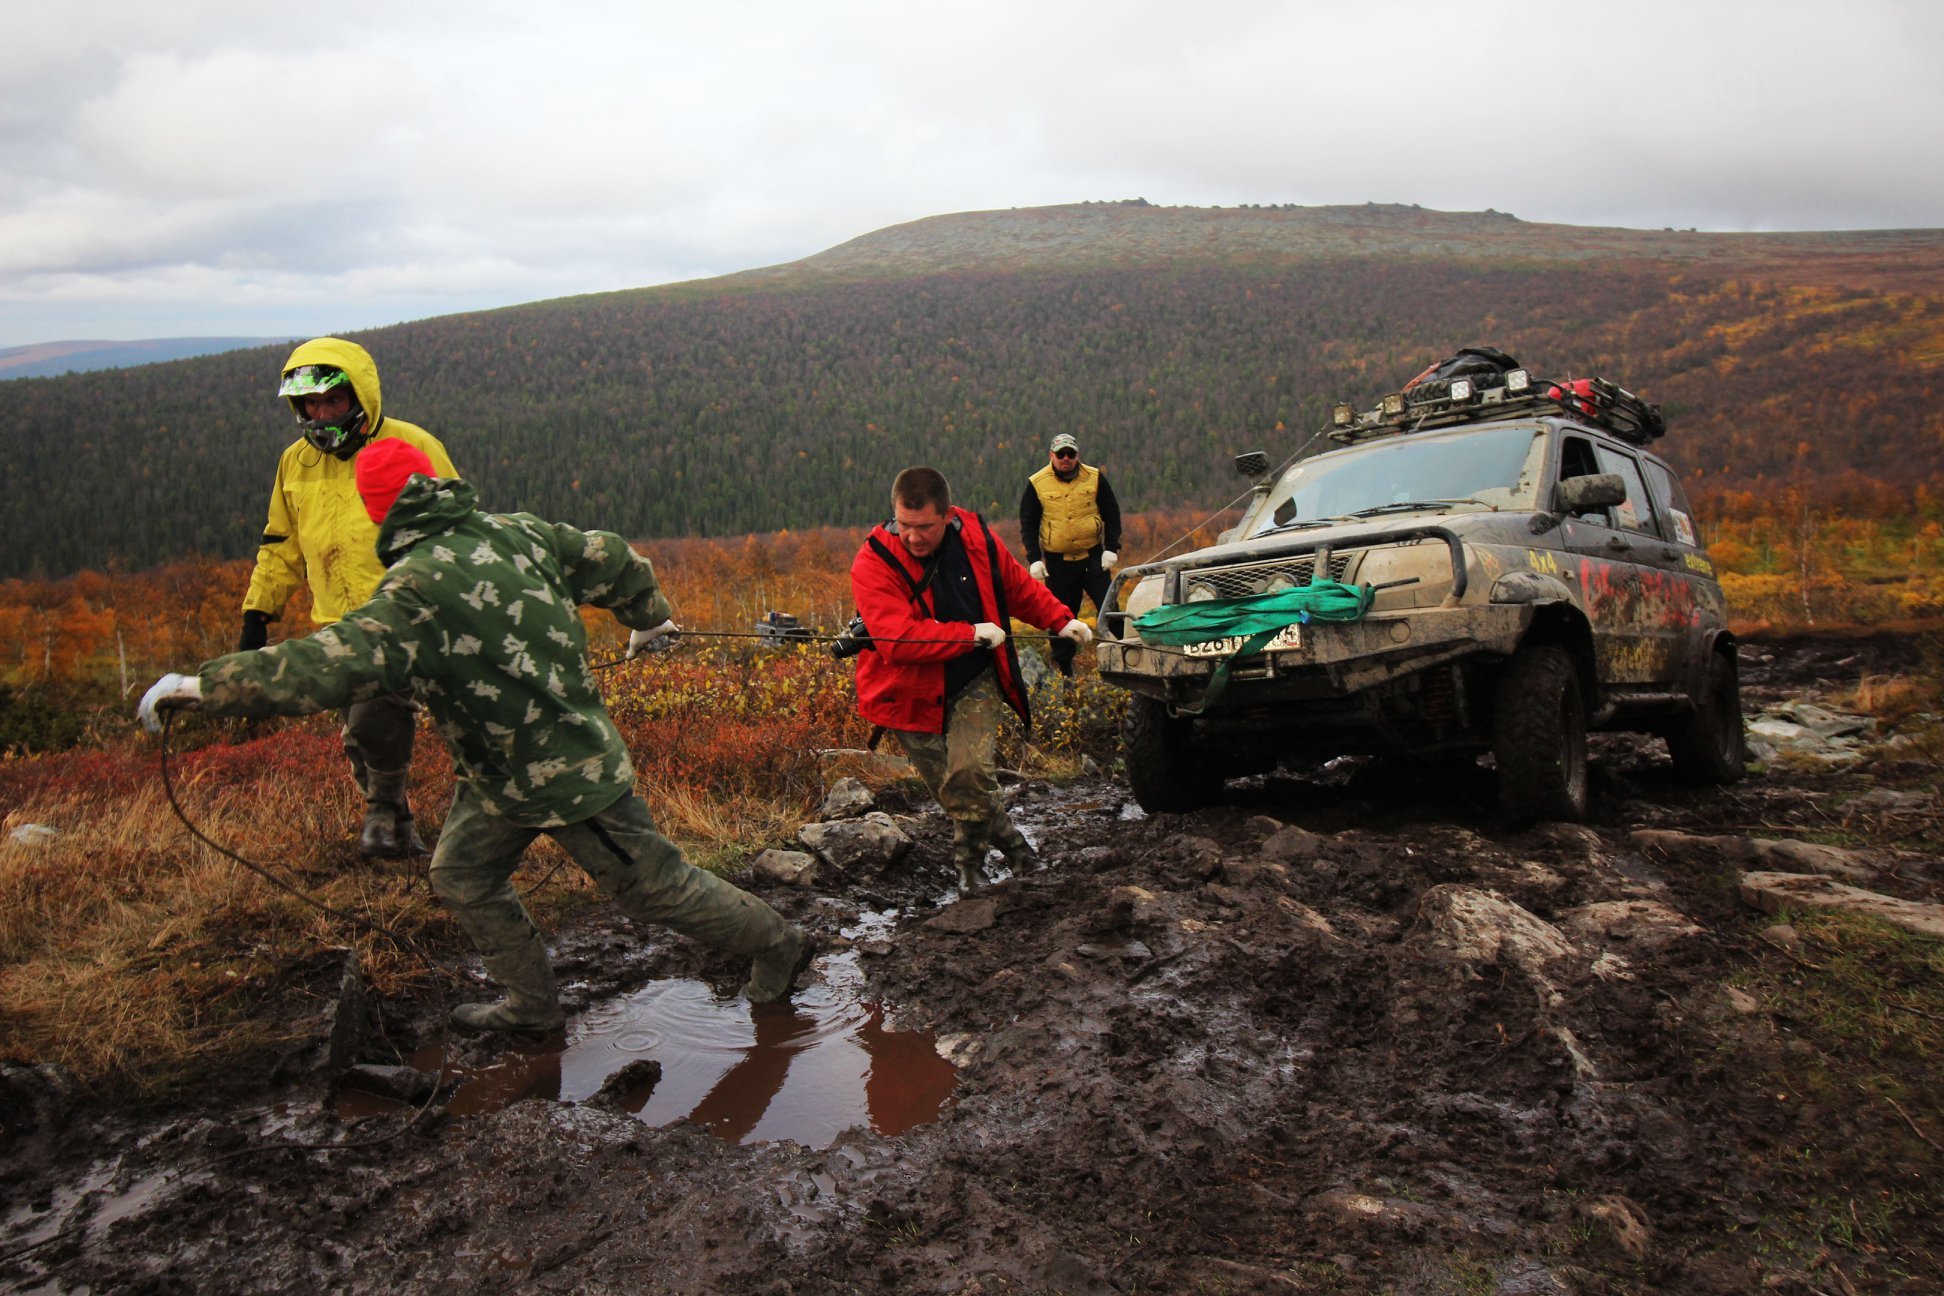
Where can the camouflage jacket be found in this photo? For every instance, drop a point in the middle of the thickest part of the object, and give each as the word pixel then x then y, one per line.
pixel 477 616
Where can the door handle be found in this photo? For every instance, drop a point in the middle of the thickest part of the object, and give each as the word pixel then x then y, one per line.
pixel 1619 545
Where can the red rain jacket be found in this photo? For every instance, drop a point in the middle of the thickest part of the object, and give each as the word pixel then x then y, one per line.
pixel 902 685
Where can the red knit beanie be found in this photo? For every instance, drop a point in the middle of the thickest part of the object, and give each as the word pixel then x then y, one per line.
pixel 383 468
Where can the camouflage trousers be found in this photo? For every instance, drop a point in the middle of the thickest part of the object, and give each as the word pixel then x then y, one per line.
pixel 958 768
pixel 638 868
pixel 377 735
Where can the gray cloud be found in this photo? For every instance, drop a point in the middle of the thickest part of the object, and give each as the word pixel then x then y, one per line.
pixel 221 167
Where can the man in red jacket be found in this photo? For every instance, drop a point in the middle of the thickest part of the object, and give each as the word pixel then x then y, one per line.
pixel 936 591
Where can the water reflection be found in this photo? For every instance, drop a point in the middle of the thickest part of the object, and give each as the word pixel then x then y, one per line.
pixel 804 1071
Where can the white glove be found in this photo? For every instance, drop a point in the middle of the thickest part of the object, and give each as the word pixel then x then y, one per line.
pixel 654 638
pixel 1037 571
pixel 1077 630
pixel 987 635
pixel 1108 558
pixel 170 693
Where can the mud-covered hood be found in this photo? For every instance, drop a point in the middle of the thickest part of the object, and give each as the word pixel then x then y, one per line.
pixel 357 365
pixel 428 506
pixel 1475 525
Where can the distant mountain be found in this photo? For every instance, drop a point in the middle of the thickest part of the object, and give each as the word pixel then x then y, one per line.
pixel 48 359
pixel 1167 339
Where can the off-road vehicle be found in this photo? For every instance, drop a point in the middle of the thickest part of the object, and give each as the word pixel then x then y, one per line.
pixel 1534 573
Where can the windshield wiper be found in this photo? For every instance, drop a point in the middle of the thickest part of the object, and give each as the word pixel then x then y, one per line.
pixel 1405 506
pixel 1301 524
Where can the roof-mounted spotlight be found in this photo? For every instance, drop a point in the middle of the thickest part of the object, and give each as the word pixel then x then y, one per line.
pixel 1393 405
pixel 1343 415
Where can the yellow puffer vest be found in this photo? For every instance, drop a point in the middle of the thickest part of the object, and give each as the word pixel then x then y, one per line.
pixel 1069 511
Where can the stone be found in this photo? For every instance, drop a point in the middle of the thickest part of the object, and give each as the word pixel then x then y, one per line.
pixel 847 799
pixel 35 1096
pixel 399 1083
pixel 965 917
pixel 1626 1224
pixel 1646 926
pixel 1291 845
pixel 629 1088
pixel 847 844
pixel 1122 907
pixel 1262 826
pixel 1808 857
pixel 791 868
pixel 1779 892
pixel 1477 926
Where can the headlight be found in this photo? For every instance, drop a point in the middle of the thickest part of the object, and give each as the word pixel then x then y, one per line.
pixel 1278 582
pixel 1199 591
pixel 1145 596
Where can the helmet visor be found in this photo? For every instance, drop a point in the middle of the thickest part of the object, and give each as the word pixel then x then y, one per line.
pixel 312 380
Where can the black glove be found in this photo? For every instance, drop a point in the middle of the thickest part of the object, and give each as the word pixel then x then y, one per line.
pixel 256 632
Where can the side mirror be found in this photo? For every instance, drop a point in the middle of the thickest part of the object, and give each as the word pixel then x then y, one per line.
pixel 1593 491
pixel 1252 465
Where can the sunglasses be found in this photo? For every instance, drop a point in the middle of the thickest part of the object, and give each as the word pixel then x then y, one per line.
pixel 1066 454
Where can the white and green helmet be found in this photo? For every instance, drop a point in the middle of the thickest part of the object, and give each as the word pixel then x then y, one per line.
pixel 341 436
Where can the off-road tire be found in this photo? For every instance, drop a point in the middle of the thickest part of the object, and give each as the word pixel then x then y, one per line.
pixel 1710 746
pixel 1163 769
pixel 1539 737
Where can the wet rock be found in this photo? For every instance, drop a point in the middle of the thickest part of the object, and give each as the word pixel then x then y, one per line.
pixel 847 799
pixel 1365 1211
pixel 1625 1224
pixel 1760 852
pixel 1777 892
pixel 1255 872
pixel 1121 908
pixel 1262 826
pixel 1194 857
pixel 1096 859
pixel 1646 926
pixel 965 917
pixel 1478 927
pixel 791 868
pixel 1826 722
pixel 628 1089
pixel 1291 846
pixel 400 1083
pixel 1889 803
pixel 35 1096
pixel 873 842
pixel 349 1018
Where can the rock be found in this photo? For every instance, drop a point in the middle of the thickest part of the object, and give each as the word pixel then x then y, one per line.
pixel 847 844
pixel 1777 892
pixel 791 868
pixel 1262 826
pixel 35 1096
pixel 1089 767
pixel 1888 803
pixel 965 917
pixel 1122 908
pixel 1095 859
pixel 847 799
pixel 1626 1225
pixel 350 1017
pixel 1783 936
pixel 399 1083
pixel 1291 846
pixel 1646 926
pixel 1827 723
pixel 1255 872
pixel 1740 1002
pixel 1479 927
pixel 629 1088
pixel 1808 857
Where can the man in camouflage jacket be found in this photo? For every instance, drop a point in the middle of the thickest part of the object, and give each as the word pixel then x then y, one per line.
pixel 477 615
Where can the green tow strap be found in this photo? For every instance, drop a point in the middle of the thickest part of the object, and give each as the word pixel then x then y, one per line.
pixel 1255 619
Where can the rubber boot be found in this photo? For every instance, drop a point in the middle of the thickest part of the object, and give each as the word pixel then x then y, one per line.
pixel 531 1004
pixel 969 860
pixel 388 827
pixel 773 973
pixel 1021 858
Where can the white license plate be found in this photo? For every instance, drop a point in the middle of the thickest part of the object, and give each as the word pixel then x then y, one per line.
pixel 1286 638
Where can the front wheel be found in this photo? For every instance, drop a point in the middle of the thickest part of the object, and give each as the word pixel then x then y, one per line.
pixel 1710 747
pixel 1539 736
pixel 1163 769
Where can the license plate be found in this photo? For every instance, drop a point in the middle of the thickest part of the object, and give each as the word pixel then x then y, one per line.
pixel 1286 638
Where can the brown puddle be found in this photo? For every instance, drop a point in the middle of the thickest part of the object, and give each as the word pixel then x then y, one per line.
pixel 804 1071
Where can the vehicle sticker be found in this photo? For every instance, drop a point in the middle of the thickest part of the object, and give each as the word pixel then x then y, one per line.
pixel 1286 638
pixel 1683 527
pixel 1696 562
pixel 1541 560
pixel 1628 515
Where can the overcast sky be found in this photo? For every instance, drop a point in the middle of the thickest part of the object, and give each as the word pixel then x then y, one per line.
pixel 240 168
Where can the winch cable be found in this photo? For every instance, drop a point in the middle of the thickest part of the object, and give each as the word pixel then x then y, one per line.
pixel 440 974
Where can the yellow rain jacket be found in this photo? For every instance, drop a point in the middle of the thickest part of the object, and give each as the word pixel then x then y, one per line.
pixel 319 532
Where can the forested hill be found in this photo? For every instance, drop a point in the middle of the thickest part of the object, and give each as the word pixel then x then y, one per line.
pixel 1167 339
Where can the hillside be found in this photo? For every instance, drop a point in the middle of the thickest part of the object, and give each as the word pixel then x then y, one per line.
pixel 1168 338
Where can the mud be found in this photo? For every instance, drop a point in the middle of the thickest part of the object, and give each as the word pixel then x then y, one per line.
pixel 1347 1033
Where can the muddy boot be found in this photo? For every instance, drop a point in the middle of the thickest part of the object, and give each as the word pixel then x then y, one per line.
pixel 531 1004
pixel 410 844
pixel 969 860
pixel 1020 856
pixel 773 973
pixel 384 809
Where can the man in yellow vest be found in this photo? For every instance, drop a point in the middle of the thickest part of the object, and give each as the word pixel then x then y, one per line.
pixel 319 535
pixel 1070 523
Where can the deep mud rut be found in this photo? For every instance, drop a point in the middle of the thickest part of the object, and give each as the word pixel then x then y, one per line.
pixel 1348 1033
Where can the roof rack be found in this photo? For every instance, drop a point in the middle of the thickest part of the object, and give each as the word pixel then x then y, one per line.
pixel 1442 402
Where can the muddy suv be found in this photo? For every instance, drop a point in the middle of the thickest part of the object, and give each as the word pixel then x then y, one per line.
pixel 1534 572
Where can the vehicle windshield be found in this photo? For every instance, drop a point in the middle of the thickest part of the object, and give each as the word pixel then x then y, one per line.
pixel 1495 468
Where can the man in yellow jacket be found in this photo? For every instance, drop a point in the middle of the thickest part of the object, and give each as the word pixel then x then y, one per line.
pixel 319 534
pixel 1070 523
